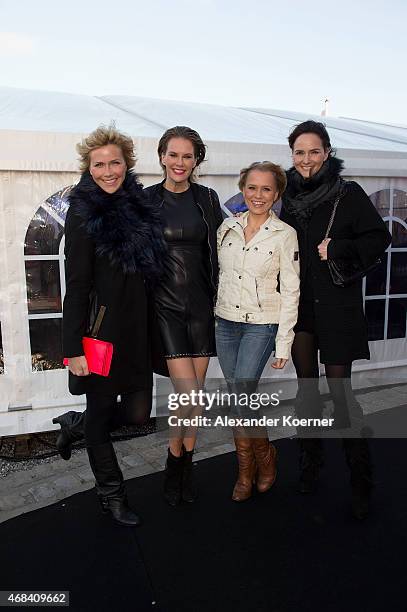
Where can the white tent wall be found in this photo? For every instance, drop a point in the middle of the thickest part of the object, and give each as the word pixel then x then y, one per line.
pixel 26 396
pixel 36 165
pixel 389 353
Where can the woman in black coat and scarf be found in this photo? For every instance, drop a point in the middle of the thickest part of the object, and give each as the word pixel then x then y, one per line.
pixel 330 318
pixel 113 246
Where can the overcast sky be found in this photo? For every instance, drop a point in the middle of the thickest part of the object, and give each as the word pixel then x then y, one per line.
pixel 260 53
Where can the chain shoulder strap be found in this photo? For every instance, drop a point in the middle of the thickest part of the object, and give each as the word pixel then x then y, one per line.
pixel 331 220
pixel 210 196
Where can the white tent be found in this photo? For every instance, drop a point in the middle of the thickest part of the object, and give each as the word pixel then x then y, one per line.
pixel 38 132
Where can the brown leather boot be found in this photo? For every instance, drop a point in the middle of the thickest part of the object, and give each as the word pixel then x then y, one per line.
pixel 247 469
pixel 266 456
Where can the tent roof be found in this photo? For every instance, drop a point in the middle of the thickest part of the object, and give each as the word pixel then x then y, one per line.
pixel 39 131
pixel 32 110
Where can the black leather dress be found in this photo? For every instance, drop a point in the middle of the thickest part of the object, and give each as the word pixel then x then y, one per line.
pixel 184 297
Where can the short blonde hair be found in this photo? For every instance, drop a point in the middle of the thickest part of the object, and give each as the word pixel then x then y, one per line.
pixel 265 166
pixel 102 136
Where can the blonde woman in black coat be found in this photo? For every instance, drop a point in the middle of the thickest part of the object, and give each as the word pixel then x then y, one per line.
pixel 113 245
pixel 330 318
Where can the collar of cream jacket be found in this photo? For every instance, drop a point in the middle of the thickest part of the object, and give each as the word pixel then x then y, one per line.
pixel 239 223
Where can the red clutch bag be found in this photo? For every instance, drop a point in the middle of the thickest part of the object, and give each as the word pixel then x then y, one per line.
pixel 98 353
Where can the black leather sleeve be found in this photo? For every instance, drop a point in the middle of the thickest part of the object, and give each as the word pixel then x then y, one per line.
pixel 216 208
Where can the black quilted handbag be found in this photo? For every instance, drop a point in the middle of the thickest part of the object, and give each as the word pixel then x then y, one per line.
pixel 345 272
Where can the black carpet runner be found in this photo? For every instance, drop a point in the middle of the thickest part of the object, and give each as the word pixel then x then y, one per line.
pixel 277 552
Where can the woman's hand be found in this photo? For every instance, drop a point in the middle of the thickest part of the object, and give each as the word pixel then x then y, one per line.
pixel 279 363
pixel 323 249
pixel 78 366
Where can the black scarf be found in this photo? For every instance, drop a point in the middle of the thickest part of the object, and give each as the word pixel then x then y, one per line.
pixel 124 225
pixel 303 195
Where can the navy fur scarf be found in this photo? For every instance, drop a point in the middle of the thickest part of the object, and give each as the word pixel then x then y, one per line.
pixel 124 225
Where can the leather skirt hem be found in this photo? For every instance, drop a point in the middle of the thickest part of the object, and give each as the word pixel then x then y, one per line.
pixel 180 355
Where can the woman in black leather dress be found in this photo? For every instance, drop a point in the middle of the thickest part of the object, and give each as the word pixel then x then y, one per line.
pixel 184 299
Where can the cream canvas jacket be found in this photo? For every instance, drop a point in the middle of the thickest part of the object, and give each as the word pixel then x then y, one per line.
pixel 247 290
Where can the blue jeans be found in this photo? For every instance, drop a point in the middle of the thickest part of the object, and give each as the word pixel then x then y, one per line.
pixel 243 350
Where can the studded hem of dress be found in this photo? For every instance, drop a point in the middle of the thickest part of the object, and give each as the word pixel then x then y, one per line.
pixel 179 355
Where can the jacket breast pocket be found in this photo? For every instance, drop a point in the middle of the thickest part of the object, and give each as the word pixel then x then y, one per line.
pixel 226 254
pixel 268 259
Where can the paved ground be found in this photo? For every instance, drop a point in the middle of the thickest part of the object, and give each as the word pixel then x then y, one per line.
pixel 54 479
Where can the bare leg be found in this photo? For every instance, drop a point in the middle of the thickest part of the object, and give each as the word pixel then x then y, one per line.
pixel 187 374
pixel 200 365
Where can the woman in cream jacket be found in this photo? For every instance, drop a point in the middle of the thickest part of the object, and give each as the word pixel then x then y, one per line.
pixel 256 308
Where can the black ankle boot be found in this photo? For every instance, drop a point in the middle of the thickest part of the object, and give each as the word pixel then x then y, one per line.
pixel 189 492
pixel 119 508
pixel 358 459
pixel 310 464
pixel 110 485
pixel 72 430
pixel 173 479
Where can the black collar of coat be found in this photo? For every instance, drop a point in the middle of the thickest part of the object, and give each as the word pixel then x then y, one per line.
pixel 156 193
pixel 125 226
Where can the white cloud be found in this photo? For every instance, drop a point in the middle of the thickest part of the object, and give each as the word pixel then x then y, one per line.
pixel 14 43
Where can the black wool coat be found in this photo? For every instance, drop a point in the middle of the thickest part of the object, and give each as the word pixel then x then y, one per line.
pixel 358 233
pixel 113 246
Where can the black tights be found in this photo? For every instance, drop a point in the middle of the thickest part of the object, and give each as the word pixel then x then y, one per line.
pixel 305 358
pixel 105 414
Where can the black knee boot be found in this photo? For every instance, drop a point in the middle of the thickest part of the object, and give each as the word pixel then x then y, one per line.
pixel 360 466
pixel 311 461
pixel 308 404
pixel 110 484
pixel 188 490
pixel 72 430
pixel 173 478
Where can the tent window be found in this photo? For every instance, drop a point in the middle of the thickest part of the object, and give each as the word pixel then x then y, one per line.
pixel 46 344
pixel 375 311
pixel 43 235
pixel 397 318
pixel 398 273
pixel 376 280
pixel 43 286
pixel 45 281
pixel 399 235
pixel 386 287
pixel 381 200
pixel 400 216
